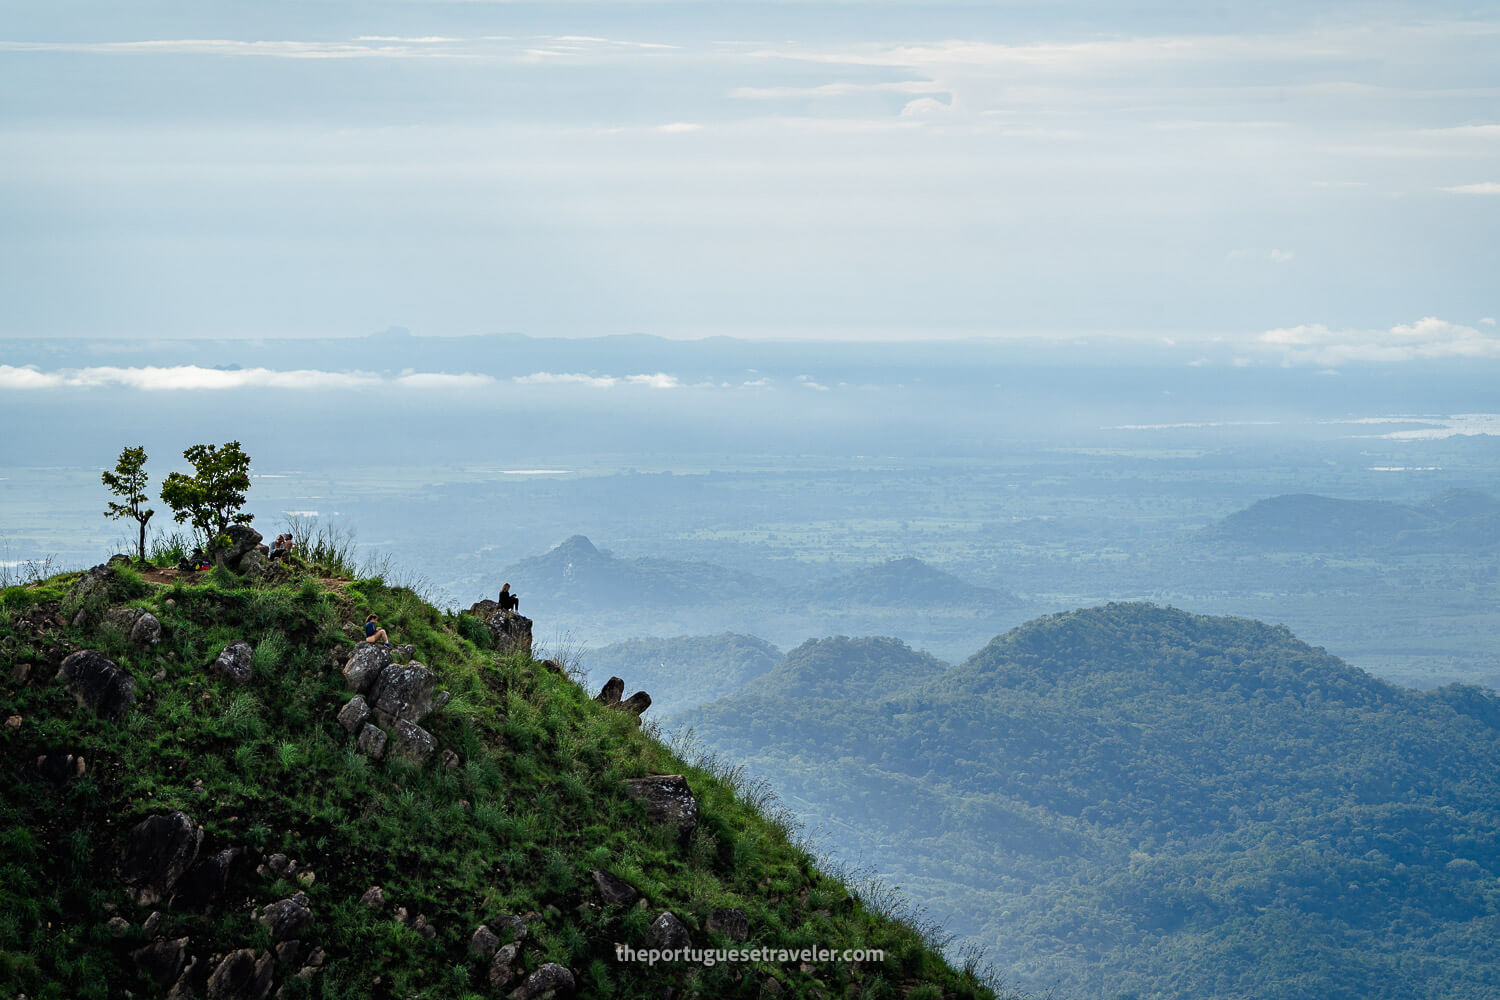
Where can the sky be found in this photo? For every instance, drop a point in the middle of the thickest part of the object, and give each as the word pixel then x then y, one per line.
pixel 1318 182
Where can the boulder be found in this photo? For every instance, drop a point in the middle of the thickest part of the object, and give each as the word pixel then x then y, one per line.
pixel 146 631
pixel 288 951
pixel 413 742
pixel 205 882
pixel 637 703
pixel 403 694
pixel 371 741
pixel 483 944
pixel 161 961
pixel 403 653
pixel 510 927
pixel 610 694
pixel 614 890
pixel 96 583
pixel 285 918
pixel 365 665
pixel 374 897
pixel 242 976
pixel 550 982
pixel 502 967
pixel 510 632
pixel 254 564
pixel 732 923
pixel 227 549
pixel 157 851
pixel 234 662
pixel 353 714
pixel 667 932
pixel 668 800
pixel 99 684
pixel 450 760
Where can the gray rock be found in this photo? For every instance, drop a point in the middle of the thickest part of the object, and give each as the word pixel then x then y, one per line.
pixel 151 923
pixel 502 967
pixel 483 944
pixel 241 976
pixel 287 951
pixel 205 882
pixel 161 961
pixel 403 694
pixel 403 653
pixel 668 932
pixel 117 926
pixel 98 684
pixel 732 923
pixel 413 742
pixel 96 583
pixel 450 760
pixel 254 564
pixel 614 890
pixel 668 800
pixel 637 703
pixel 365 666
pixel 371 741
pixel 509 632
pixel 227 549
pixel 157 851
pixel 353 714
pixel 610 694
pixel 286 917
pixel 510 927
pixel 374 898
pixel 279 865
pixel 235 662
pixel 146 631
pixel 550 982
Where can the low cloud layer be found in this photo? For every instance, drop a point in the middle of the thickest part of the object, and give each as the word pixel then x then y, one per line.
pixel 179 378
pixel 1428 339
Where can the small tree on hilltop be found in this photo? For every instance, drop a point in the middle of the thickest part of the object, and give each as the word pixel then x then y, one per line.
pixel 128 482
pixel 211 498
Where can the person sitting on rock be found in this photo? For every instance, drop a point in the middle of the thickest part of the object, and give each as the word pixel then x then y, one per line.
pixel 282 547
pixel 373 631
pixel 508 601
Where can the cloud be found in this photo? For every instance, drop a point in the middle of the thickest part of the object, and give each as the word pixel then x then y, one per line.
pixel 807 382
pixel 838 89
pixel 1487 321
pixel 1275 256
pixel 180 378
pixel 1485 187
pixel 679 127
pixel 659 380
pixel 1428 339
pixel 283 49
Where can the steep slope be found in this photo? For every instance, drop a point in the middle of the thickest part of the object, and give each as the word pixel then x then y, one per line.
pixel 686 670
pixel 1131 800
pixel 575 575
pixel 198 800
pixel 904 583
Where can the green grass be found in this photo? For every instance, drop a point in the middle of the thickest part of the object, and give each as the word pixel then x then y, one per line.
pixel 534 805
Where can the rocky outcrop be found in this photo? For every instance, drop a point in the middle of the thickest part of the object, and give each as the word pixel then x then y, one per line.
pixel 510 632
pixel 614 890
pixel 285 918
pixel 371 741
pixel 403 694
pixel 353 714
pixel 146 631
pixel 205 882
pixel 161 961
pixel 636 703
pixel 365 665
pixel 668 800
pixel 242 976
pixel 157 851
pixel 668 932
pixel 610 695
pixel 99 684
pixel 229 548
pixel 413 742
pixel 732 923
pixel 235 662
pixel 550 982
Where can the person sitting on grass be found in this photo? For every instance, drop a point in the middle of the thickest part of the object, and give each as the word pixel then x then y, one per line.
pixel 373 631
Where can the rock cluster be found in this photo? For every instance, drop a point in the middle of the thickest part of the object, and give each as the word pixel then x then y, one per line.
pixel 614 688
pixel 390 701
pixel 510 631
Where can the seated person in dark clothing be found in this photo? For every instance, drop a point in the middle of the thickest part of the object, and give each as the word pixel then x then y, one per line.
pixel 373 631
pixel 508 601
pixel 282 547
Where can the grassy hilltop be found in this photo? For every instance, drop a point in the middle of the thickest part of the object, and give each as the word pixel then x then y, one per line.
pixel 519 820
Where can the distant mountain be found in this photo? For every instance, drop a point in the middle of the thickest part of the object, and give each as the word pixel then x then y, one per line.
pixel 842 668
pixel 684 671
pixel 1135 801
pixel 576 574
pixel 1303 522
pixel 903 583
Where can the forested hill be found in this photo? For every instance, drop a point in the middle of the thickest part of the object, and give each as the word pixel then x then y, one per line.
pixel 1131 800
pixel 210 785
pixel 1455 520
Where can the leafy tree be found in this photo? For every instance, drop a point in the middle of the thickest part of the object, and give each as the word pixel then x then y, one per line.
pixel 211 498
pixel 128 482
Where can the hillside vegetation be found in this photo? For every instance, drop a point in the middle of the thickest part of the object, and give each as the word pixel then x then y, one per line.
pixel 210 824
pixel 1133 801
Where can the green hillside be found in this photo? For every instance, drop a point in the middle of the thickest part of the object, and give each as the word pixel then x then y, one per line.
pixel 194 816
pixel 1133 801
